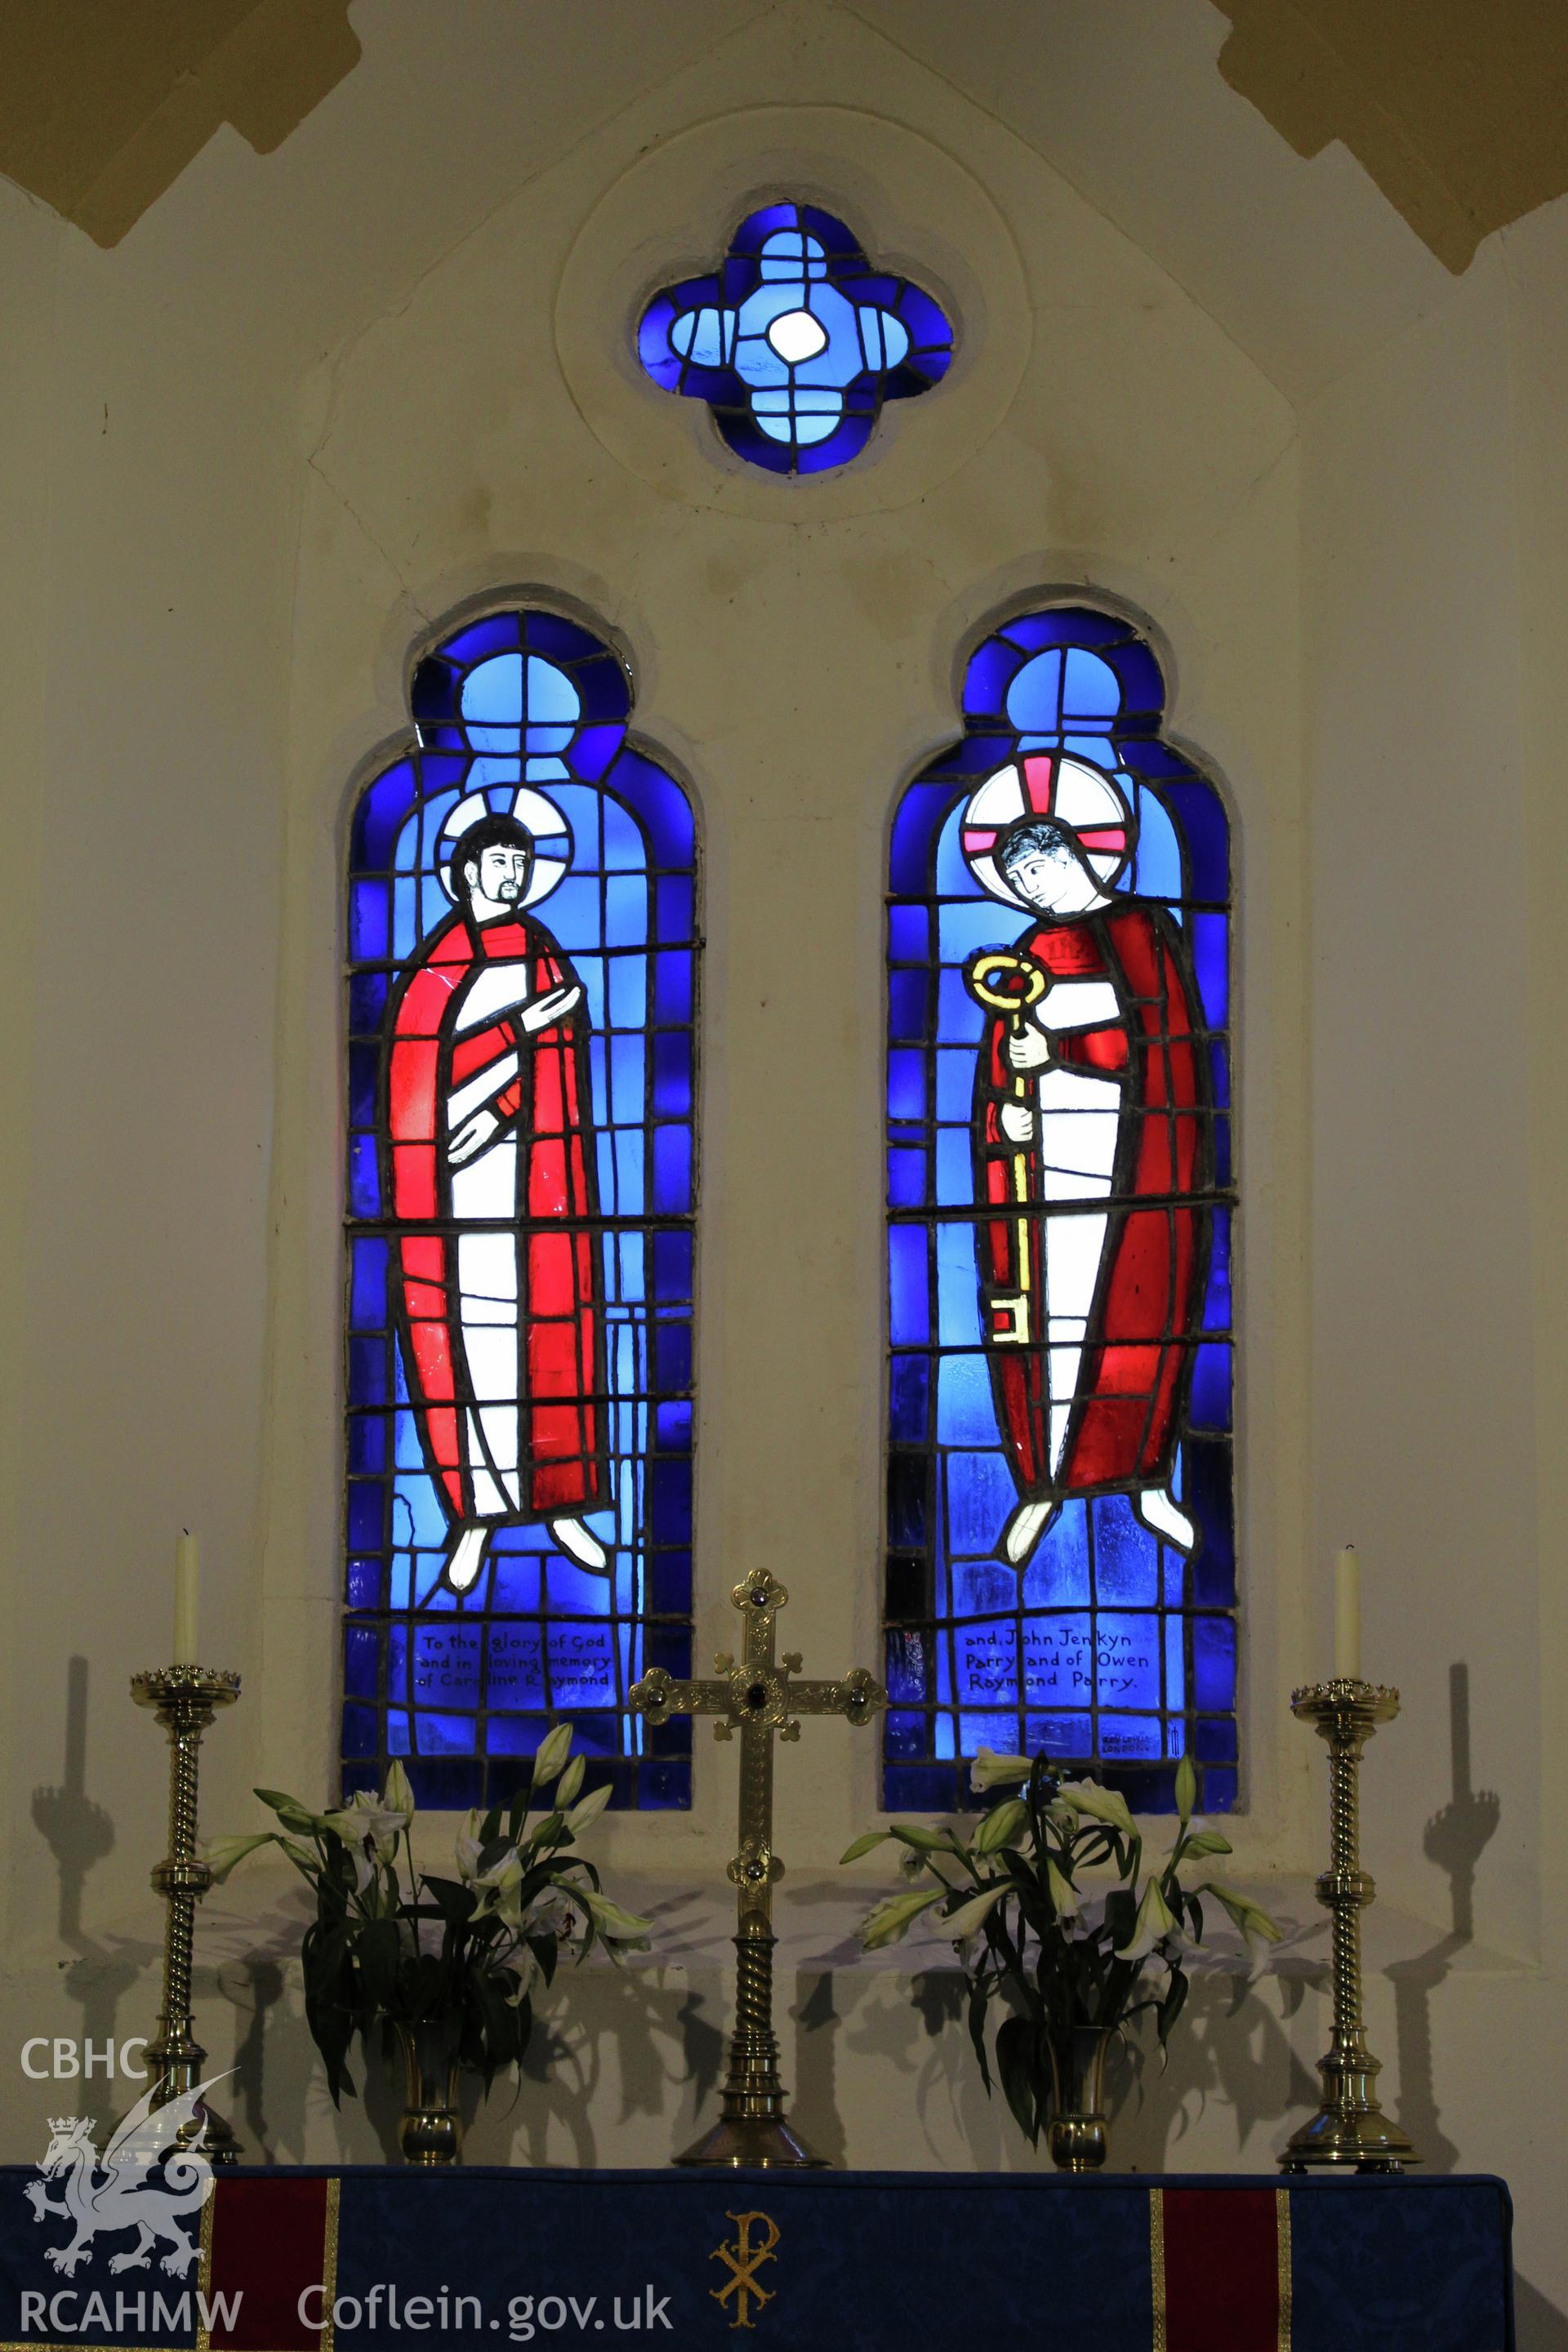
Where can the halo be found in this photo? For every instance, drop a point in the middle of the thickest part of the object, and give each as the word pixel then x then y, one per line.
pixel 1044 783
pixel 538 815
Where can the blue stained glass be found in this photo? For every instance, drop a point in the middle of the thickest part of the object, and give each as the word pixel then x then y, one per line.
pixel 1127 1660
pixel 908 933
pixel 672 992
pixel 907 1005
pixel 672 1168
pixel 965 1414
pixel 525 714
pixel 1126 1555
pixel 906 1085
pixel 1057 1576
pixel 1216 1302
pixel 1213 1662
pixel 988 1662
pixel 1212 957
pixel 980 1498
pixel 368 920
pixel 365 1177
pixel 1213 1740
pixel 673 1264
pixel 959 1020
pixel 1067 1646
pixel 1128 1735
pixel 793 343
pixel 365 1583
pixel 910 1400
pixel 673 1423
pixel 672 1355
pixel 1211 1388
pixel 906 1179
pixel 367 1371
pixel 360 1732
pixel 954 1177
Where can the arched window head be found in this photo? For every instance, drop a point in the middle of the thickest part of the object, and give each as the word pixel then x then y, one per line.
pixel 521 1180
pixel 1061 1562
pixel 795 342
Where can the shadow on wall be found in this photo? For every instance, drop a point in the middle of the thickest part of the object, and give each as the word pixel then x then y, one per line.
pixel 1541 2327
pixel 80 1833
pixel 1454 1839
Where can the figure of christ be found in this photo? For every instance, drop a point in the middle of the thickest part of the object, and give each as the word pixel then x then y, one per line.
pixel 502 1311
pixel 1089 1116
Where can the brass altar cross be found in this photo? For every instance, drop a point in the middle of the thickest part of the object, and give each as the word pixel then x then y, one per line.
pixel 759 1697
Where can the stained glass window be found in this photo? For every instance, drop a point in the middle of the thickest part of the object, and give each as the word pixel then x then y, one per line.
pixel 795 342
pixel 522 1072
pixel 1060 1570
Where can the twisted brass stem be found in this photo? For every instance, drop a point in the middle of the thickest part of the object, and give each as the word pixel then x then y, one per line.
pixel 1349 2129
pixel 186 1700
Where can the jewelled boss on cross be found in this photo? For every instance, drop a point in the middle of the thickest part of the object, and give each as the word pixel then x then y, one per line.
pixel 758 1696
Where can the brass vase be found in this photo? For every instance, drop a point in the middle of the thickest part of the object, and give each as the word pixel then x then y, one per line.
pixel 1078 2142
pixel 431 2131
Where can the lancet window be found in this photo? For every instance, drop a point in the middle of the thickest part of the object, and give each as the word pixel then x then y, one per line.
pixel 522 1179
pixel 1060 1564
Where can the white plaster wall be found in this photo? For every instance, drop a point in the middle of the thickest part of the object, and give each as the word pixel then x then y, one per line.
pixel 312 469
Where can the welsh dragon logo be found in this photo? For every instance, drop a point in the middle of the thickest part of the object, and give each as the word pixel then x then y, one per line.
pixel 143 2181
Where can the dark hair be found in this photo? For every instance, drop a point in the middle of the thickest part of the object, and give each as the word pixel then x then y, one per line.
pixel 490 833
pixel 1033 837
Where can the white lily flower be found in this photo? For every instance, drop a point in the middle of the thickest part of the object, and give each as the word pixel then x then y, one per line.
pixel 614 1924
pixel 912 1862
pixel 1249 1917
pixel 1064 1894
pixel 225 1853
pixel 397 1796
pixel 990 1771
pixel 553 1750
pixel 370 1830
pixel 1003 1826
pixel 1088 1798
pixel 969 1916
pixel 1153 1923
pixel 588 1808
pixel 891 1920
pixel 571 1781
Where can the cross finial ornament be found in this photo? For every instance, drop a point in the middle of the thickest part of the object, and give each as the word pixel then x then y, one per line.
pixel 757 1695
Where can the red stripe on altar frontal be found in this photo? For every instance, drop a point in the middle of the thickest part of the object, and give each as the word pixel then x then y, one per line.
pixel 1224 2259
pixel 270 2240
pixel 1039 783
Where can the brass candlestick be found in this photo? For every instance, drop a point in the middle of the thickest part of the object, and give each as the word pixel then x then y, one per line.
pixel 758 1698
pixel 1349 2129
pixel 186 1700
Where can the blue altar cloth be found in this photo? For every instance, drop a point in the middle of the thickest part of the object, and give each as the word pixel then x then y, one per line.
pixel 879 2261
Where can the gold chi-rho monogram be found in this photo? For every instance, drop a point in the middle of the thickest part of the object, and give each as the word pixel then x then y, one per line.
pixel 744 2258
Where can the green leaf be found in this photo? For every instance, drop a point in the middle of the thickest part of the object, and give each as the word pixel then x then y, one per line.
pixel 453 1903
pixel 922 1840
pixel 1015 2052
pixel 863 1844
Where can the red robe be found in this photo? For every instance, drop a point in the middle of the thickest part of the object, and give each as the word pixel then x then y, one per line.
pixel 546 1108
pixel 1135 1374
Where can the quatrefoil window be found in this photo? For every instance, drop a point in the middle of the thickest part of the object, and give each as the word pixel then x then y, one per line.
pixel 795 342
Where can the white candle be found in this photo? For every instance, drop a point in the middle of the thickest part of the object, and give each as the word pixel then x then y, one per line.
pixel 1347 1615
pixel 185 1589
